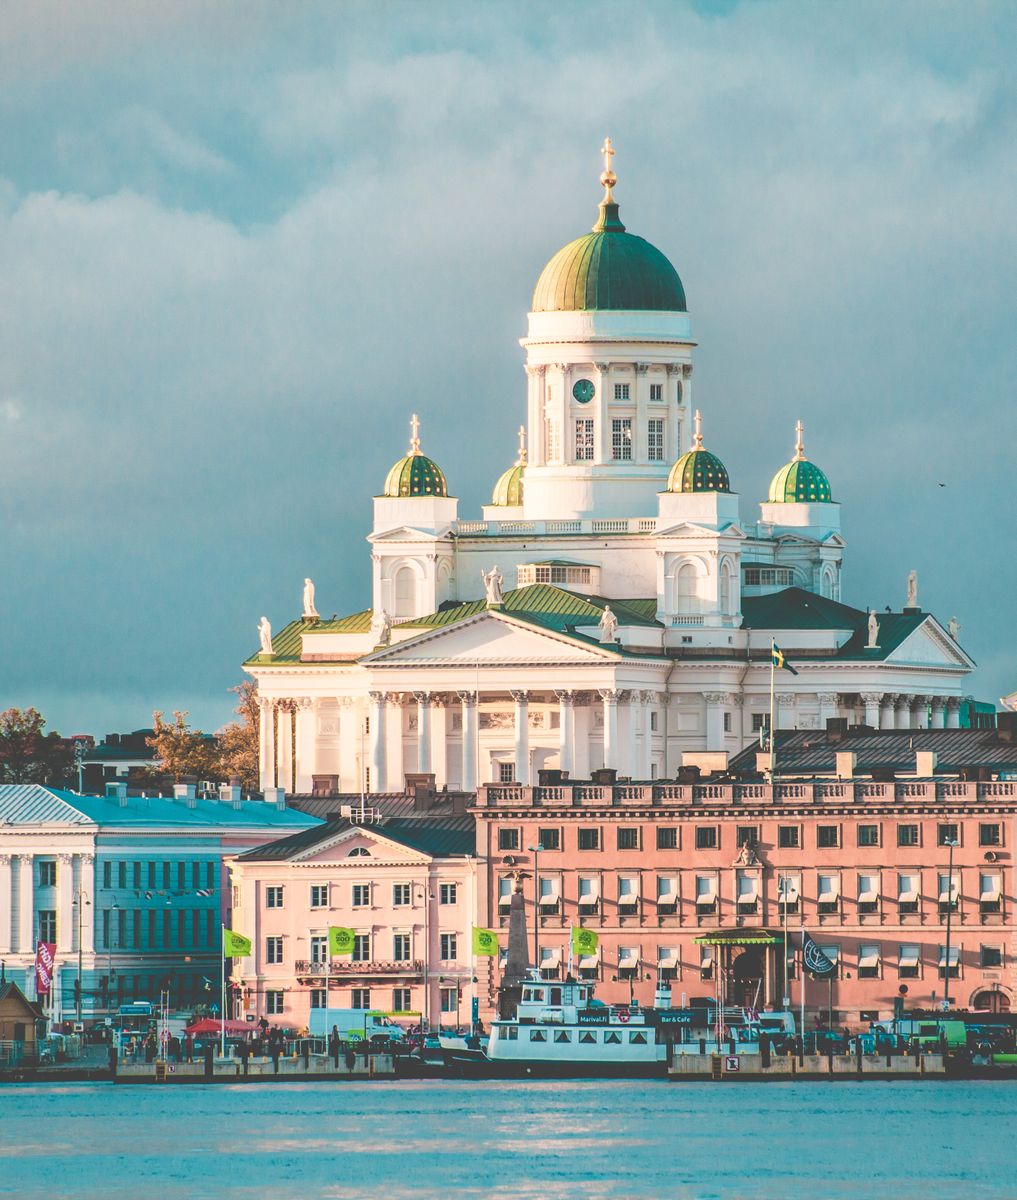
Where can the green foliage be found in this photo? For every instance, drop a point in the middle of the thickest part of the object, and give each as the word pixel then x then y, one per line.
pixel 28 755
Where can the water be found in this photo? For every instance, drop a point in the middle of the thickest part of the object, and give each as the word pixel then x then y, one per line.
pixel 404 1141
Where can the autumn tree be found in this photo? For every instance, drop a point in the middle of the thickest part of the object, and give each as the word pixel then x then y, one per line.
pixel 181 750
pixel 238 741
pixel 27 754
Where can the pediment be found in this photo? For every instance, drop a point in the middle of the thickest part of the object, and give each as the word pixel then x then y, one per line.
pixel 490 637
pixel 930 645
pixel 359 847
pixel 693 529
pixel 407 533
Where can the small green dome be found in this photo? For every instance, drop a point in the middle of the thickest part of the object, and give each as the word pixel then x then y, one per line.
pixel 698 471
pixel 508 491
pixel 800 481
pixel 415 474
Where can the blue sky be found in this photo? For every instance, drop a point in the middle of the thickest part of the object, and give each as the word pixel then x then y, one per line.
pixel 240 243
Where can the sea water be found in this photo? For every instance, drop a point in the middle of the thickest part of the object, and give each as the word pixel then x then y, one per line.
pixel 404 1141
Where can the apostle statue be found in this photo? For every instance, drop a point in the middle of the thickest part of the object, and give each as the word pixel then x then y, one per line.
pixel 608 625
pixel 493 580
pixel 310 612
pixel 873 642
pixel 954 628
pixel 912 589
pixel 381 628
pixel 265 636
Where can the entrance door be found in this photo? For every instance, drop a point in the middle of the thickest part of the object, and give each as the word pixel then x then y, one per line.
pixel 747 978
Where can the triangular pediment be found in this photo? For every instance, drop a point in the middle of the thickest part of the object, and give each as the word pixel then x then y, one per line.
pixel 491 637
pixel 407 533
pixel 930 645
pixel 693 529
pixel 359 846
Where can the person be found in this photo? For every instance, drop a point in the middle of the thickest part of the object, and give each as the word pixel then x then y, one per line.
pixel 150 1048
pixel 173 1046
pixel 333 1045
pixel 189 1047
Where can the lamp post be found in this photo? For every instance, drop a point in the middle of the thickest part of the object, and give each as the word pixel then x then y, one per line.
pixel 114 908
pixel 950 842
pixel 535 851
pixel 79 902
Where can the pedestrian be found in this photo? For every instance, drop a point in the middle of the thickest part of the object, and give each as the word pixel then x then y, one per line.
pixel 189 1047
pixel 333 1044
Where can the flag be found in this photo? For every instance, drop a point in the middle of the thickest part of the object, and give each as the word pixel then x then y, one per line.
pixel 45 954
pixel 814 958
pixel 584 941
pixel 485 941
pixel 340 941
pixel 779 660
pixel 235 945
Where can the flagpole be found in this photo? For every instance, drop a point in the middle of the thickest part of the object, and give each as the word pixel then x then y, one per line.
pixel 802 1031
pixel 222 978
pixel 773 733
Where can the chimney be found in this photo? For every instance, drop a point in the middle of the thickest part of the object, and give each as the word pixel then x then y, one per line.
pixel 117 791
pixel 230 793
pixel 276 796
pixel 925 763
pixel 1006 726
pixel 845 764
pixel 187 792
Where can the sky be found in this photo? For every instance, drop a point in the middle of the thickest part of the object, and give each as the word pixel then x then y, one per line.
pixel 241 242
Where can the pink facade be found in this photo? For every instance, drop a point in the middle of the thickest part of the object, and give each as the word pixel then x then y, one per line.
pixel 865 867
pixel 409 906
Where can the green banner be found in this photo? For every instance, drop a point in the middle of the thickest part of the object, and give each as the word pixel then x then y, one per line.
pixel 584 941
pixel 340 941
pixel 235 945
pixel 485 941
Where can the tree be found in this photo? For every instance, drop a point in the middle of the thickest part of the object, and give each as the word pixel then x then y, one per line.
pixel 238 741
pixel 180 750
pixel 27 755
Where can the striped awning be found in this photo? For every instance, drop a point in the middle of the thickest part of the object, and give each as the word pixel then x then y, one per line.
pixel 741 937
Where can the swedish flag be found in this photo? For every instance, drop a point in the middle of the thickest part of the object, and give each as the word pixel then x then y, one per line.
pixel 779 660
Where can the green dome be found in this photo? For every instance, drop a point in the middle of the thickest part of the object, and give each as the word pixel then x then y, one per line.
pixel 508 491
pixel 698 471
pixel 608 269
pixel 800 481
pixel 416 475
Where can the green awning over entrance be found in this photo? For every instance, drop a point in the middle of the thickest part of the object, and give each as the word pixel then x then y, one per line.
pixel 741 937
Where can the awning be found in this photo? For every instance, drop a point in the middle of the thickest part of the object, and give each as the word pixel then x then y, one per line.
pixel 990 888
pixel 705 957
pixel 829 888
pixel 788 888
pixel 909 956
pixel 667 956
pixel 667 888
pixel 740 937
pixel 628 957
pixel 908 888
pixel 948 889
pixel 589 962
pixel 748 888
pixel 706 889
pixel 550 956
pixel 831 952
pixel 868 888
pixel 505 889
pixel 954 956
pixel 589 889
pixel 628 888
pixel 868 956
pixel 550 889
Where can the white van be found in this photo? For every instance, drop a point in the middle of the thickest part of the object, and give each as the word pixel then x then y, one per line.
pixel 353 1024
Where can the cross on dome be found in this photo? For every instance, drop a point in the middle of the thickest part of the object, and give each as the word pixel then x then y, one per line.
pixel 698 439
pixel 521 460
pixel 414 434
pixel 799 445
pixel 607 176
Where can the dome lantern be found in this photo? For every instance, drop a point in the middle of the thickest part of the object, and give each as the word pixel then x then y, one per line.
pixel 508 491
pixel 800 481
pixel 698 470
pixel 415 474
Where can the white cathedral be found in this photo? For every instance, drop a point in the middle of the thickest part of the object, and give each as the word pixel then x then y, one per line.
pixel 613 608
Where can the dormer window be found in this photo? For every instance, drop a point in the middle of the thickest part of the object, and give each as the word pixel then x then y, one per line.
pixel 560 573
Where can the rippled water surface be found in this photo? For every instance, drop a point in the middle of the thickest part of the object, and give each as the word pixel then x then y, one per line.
pixel 397 1141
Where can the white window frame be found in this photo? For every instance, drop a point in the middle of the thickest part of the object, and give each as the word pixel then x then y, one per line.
pixel 621 439
pixel 655 439
pixel 275 1002
pixel 585 434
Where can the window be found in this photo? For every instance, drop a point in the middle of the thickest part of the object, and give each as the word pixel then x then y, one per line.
pixel 319 997
pixel 769 576
pixel 667 837
pixel 945 834
pixel 400 947
pixel 210 874
pixel 667 894
pixel 727 722
pixel 319 895
pixel 274 1003
pixel 181 875
pixel 621 439
pixel 621 391
pixel 989 835
pixel 954 962
pixel 402 1001
pixel 47 925
pixel 549 839
pixel 273 897
pixel 628 837
pixel 508 839
pixel 449 999
pixel 628 895
pixel 868 893
pixel 706 895
pixel 655 439
pixel 589 895
pixel 589 838
pixel 746 835
pixel 868 962
pixel 584 439
pixel 107 874
pixel 827 836
pixel 47 873
pixel 654 723
pixel 536 1035
pixel 948 893
pixel 448 893
pixel 273 949
pixel 868 835
pixel 153 874
pixel 504 894
pixel 400 895
pixel 907 835
pixel 989 890
pixel 747 892
pixel 991 956
pixel 506 771
pixel 758 722
pixel 549 888
pixel 236 901
pixel 166 867
pixel 319 948
pixel 360 998
pixel 705 963
pixel 122 874
pixel 828 897
pixel 362 948
pixel 706 837
pixel 908 893
pixel 788 837
pixel 361 895
pixel 449 947
pixel 656 391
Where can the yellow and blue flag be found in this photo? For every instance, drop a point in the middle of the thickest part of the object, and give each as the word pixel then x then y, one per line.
pixel 779 660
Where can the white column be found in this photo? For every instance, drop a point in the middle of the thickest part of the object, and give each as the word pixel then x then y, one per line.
pixel 886 711
pixel 633 708
pixel 646 768
pixel 566 731
pixel 307 720
pixel 266 743
pixel 284 767
pixel 602 415
pixel 871 702
pixel 439 739
pixel 675 413
pixel 25 903
pixel 641 399
pixel 920 712
pixel 522 737
pixel 376 741
pixel 88 919
pixel 827 707
pixel 714 720
pixel 938 712
pixel 66 912
pixel 469 722
pixel 6 904
pixel 610 697
pixel 903 712
pixel 953 713
pixel 423 700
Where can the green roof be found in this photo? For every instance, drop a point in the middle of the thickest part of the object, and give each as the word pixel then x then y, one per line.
pixel 288 642
pixel 415 475
pixel 508 491
pixel 698 471
pixel 609 269
pixel 546 605
pixel 800 481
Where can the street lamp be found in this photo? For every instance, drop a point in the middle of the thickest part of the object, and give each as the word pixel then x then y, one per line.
pixel 950 842
pixel 114 908
pixel 535 851
pixel 79 902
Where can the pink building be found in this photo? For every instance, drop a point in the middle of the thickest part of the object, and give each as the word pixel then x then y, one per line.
pixel 661 870
pixel 406 886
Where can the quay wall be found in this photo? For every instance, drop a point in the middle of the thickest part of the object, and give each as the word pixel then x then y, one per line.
pixel 812 1066
pixel 316 1066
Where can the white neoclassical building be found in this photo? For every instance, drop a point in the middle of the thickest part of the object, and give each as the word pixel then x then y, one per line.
pixel 615 605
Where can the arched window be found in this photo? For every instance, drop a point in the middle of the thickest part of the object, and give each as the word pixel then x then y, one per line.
pixel 727 588
pixel 359 852
pixel 686 589
pixel 828 585
pixel 404 593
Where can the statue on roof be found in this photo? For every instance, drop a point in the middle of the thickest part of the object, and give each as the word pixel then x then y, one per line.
pixel 912 589
pixel 873 642
pixel 310 612
pixel 747 854
pixel 265 636
pixel 493 580
pixel 954 627
pixel 608 625
pixel 381 629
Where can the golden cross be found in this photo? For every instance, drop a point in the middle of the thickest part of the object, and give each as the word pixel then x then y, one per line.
pixel 699 431
pixel 608 152
pixel 799 446
pixel 522 446
pixel 414 434
pixel 607 176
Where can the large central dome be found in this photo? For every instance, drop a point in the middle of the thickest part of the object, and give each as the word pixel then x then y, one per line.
pixel 609 269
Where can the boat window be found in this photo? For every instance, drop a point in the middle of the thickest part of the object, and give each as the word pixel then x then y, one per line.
pixel 513 1033
pixel 562 1036
pixel 538 1035
pixel 637 1039
pixel 589 1038
pixel 612 1039
pixel 556 995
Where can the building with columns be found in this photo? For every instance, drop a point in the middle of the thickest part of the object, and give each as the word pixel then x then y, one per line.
pixel 615 606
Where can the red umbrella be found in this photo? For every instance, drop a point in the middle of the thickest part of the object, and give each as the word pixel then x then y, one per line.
pixel 209 1025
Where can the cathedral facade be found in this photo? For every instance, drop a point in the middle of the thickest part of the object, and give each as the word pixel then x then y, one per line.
pixel 616 604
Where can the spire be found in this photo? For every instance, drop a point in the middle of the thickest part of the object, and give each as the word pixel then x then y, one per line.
pixel 414 434
pixel 521 460
pixel 697 443
pixel 608 221
pixel 799 445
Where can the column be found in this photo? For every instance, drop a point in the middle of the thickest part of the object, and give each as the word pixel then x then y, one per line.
pixel 920 712
pixel 284 743
pixel 266 743
pixel 439 738
pixel 871 701
pixel 469 704
pixel 25 903
pixel 938 712
pixel 566 730
pixel 641 400
pixel 522 737
pixel 6 904
pixel 646 767
pixel 674 445
pixel 828 702
pixel 903 711
pixel 602 415
pixel 88 919
pixel 307 719
pixel 886 710
pixel 66 912
pixel 376 741
pixel 610 696
pixel 423 700
pixel 953 713
pixel 630 766
pixel 714 719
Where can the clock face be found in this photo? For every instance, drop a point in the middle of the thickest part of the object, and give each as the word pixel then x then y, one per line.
pixel 583 390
